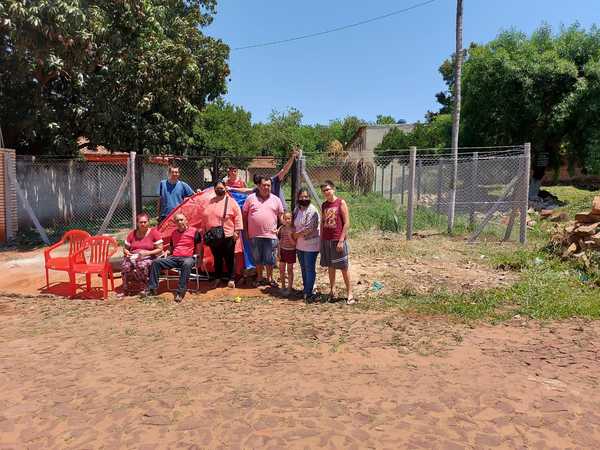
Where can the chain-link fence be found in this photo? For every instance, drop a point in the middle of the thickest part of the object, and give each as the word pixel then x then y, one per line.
pixel 199 172
pixel 64 194
pixel 491 189
pixel 401 191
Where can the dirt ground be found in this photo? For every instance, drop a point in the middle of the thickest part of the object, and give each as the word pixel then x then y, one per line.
pixel 272 373
pixel 381 264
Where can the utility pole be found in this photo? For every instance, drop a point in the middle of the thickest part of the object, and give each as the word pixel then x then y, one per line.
pixel 458 60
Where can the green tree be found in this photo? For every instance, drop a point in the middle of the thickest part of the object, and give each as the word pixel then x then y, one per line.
pixel 541 89
pixel 425 136
pixel 280 134
pixel 349 127
pixel 226 130
pixel 132 74
pixel 384 120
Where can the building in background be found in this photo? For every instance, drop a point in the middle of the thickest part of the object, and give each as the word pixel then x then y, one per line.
pixel 367 137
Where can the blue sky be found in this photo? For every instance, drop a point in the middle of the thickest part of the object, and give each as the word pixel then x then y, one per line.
pixel 386 67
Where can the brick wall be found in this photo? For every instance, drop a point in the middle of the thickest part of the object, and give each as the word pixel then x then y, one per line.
pixel 8 197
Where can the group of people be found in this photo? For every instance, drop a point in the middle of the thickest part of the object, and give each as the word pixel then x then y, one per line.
pixel 273 232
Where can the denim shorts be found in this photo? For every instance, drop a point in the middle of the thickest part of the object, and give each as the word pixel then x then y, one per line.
pixel 263 251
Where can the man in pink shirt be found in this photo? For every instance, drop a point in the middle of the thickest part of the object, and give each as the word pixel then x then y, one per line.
pixel 261 212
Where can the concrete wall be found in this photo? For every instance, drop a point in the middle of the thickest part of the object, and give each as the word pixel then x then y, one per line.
pixel 60 191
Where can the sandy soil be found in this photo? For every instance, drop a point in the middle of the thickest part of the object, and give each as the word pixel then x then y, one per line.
pixel 280 374
pixel 394 265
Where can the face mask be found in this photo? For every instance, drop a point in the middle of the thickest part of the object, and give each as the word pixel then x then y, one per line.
pixel 304 202
pixel 220 192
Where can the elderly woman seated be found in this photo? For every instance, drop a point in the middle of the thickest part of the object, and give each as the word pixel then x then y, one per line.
pixel 142 246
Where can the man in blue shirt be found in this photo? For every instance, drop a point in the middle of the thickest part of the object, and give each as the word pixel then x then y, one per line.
pixel 171 193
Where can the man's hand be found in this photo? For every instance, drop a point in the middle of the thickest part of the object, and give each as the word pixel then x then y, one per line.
pixel 126 252
pixel 340 246
pixel 236 236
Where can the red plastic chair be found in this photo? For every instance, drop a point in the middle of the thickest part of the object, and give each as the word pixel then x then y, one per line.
pixel 98 250
pixel 74 239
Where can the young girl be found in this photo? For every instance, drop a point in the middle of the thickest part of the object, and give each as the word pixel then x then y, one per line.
pixel 287 253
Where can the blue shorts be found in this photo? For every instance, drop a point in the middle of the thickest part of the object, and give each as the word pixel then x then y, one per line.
pixel 263 251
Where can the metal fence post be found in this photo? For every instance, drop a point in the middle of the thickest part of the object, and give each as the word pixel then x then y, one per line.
pixel 402 185
pixel 391 178
pixel 132 186
pixel 382 178
pixel 296 168
pixel 525 193
pixel 439 185
pixel 138 181
pixel 411 193
pixel 419 170
pixel 474 190
pixel 215 169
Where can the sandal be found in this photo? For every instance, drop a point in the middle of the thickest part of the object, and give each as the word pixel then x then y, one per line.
pixel 350 300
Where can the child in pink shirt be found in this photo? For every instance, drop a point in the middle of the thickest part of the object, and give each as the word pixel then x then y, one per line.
pixel 287 253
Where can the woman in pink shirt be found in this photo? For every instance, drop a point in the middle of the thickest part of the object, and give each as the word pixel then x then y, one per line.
pixel 222 210
pixel 142 246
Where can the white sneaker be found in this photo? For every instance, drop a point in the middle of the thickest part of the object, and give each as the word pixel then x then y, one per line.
pixel 231 284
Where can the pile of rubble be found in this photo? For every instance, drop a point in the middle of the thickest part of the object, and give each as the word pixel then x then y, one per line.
pixel 582 235
pixel 545 201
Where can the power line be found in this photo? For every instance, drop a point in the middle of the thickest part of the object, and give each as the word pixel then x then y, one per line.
pixel 333 30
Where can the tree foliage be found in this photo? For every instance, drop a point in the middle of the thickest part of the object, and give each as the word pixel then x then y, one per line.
pixel 384 120
pixel 432 136
pixel 224 129
pixel 541 89
pixel 130 75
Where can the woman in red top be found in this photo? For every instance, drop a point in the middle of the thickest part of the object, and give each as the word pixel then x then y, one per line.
pixel 142 246
pixel 335 223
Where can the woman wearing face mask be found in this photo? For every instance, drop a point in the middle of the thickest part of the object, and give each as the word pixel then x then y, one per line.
pixel 222 211
pixel 306 223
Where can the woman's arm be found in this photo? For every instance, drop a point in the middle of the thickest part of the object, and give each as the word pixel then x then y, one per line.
pixel 238 222
pixel 244 190
pixel 157 250
pixel 311 225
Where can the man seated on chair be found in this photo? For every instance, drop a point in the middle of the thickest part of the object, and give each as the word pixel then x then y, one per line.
pixel 185 242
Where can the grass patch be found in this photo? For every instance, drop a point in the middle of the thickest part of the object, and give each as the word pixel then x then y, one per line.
pixel 375 212
pixel 577 200
pixel 549 289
